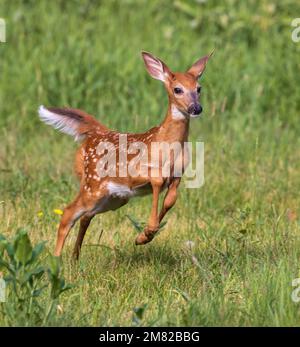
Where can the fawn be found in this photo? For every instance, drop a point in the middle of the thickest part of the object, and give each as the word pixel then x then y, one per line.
pixel 100 193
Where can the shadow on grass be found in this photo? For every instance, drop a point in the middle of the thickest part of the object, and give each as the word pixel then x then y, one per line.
pixel 154 254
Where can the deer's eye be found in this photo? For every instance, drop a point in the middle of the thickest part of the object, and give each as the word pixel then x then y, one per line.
pixel 178 91
pixel 198 90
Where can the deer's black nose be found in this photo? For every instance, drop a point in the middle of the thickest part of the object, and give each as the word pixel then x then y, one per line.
pixel 195 109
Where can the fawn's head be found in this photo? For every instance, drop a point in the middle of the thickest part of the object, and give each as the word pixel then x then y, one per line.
pixel 183 88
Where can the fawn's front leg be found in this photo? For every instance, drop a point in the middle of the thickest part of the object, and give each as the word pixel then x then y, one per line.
pixel 170 198
pixel 153 224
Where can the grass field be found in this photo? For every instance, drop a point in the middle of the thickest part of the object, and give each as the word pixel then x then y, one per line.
pixel 244 222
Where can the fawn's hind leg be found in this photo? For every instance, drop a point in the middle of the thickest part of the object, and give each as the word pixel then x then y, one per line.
pixel 84 224
pixel 71 214
pixel 99 205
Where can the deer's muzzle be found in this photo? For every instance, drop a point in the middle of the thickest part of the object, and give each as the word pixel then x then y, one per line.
pixel 194 109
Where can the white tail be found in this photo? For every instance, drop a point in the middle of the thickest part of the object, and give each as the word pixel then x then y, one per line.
pixel 70 121
pixel 63 123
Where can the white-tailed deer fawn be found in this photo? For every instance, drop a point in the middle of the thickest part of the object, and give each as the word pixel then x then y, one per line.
pixel 100 193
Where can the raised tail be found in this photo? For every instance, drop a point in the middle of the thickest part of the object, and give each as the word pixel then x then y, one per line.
pixel 70 121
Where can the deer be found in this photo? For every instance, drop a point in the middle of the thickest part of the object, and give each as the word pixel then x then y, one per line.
pixel 101 193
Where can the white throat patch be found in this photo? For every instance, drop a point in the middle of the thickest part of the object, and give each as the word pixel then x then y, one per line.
pixel 176 114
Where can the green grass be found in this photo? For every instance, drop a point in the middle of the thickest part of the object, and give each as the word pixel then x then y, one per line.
pixel 244 221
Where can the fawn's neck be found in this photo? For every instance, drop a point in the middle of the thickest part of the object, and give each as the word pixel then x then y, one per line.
pixel 175 126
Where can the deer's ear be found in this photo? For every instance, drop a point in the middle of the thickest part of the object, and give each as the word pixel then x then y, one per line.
pixel 156 68
pixel 198 67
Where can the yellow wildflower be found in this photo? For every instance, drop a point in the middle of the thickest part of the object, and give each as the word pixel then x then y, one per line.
pixel 58 211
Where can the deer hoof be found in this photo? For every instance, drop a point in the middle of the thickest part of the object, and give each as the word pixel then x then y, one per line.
pixel 142 239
